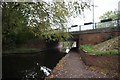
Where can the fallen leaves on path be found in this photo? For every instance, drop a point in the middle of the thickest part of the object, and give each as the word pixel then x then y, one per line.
pixel 104 71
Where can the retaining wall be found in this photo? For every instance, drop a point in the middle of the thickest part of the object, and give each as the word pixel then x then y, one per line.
pixel 35 43
pixel 98 35
pixel 105 61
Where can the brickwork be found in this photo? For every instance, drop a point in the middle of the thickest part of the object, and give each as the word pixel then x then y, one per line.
pixel 104 61
pixel 95 38
pixel 35 43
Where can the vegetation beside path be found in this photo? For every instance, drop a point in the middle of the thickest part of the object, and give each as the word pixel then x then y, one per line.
pixel 110 46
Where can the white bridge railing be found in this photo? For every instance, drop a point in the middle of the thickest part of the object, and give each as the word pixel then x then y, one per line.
pixel 90 25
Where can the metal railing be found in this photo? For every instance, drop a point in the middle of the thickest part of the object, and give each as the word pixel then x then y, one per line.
pixel 102 24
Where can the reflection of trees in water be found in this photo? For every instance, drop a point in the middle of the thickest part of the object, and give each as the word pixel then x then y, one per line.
pixel 15 65
pixel 36 73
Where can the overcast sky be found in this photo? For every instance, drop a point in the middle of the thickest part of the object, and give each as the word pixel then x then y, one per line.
pixel 102 7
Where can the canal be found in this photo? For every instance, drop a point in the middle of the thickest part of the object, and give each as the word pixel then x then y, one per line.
pixel 27 66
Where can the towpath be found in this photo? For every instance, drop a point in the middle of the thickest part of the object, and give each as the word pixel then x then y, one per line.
pixel 71 66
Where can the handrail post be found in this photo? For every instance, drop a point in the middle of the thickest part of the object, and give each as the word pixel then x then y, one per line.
pixel 80 28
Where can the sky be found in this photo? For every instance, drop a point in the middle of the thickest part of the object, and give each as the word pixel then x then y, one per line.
pixel 102 6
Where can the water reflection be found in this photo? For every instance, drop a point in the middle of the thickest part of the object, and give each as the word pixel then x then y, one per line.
pixel 29 66
pixel 46 70
pixel 36 73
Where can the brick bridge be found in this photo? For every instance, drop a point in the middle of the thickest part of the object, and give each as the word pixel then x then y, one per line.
pixel 94 36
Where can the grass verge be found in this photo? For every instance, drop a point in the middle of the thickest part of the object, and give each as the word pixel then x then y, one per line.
pixel 91 50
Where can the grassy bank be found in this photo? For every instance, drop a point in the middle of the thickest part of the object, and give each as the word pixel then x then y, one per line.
pixel 91 50
pixel 110 46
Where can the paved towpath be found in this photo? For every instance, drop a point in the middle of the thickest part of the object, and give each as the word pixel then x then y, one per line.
pixel 71 66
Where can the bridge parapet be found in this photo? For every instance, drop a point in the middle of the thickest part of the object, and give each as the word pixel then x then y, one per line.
pixel 106 23
pixel 97 30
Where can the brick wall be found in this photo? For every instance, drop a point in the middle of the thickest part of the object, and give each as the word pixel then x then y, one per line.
pixel 35 43
pixel 41 44
pixel 103 61
pixel 97 36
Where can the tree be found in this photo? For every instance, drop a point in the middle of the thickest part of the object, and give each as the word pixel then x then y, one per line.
pixel 38 19
pixel 107 15
pixel 13 23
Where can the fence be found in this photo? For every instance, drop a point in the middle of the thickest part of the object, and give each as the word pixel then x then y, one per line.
pixel 102 24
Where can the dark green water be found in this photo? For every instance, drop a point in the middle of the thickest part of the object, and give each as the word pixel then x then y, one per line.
pixel 16 66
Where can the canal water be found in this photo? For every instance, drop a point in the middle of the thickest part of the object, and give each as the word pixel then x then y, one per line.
pixel 29 66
